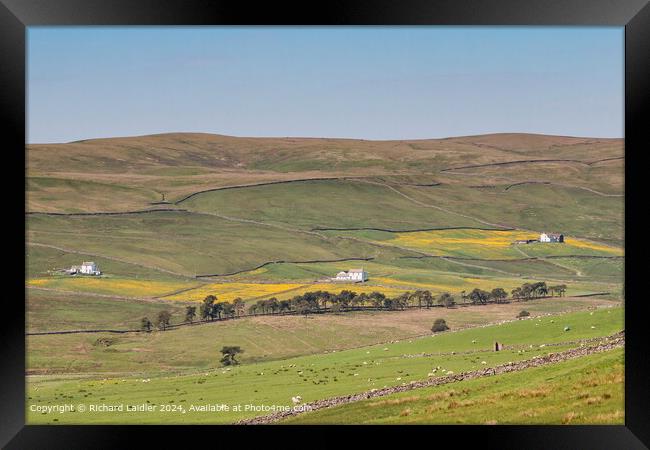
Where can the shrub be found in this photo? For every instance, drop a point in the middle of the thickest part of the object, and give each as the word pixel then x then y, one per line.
pixel 523 313
pixel 439 325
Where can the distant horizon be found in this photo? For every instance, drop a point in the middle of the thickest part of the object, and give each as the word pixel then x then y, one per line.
pixel 369 83
pixel 327 137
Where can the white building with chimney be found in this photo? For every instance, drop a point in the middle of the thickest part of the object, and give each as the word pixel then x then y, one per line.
pixel 353 275
pixel 551 237
pixel 87 268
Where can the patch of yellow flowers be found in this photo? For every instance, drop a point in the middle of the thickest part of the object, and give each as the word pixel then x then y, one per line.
pixel 113 286
pixel 483 243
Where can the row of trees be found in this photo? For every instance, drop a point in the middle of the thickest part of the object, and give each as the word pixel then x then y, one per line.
pixel 529 291
pixel 162 321
pixel 346 300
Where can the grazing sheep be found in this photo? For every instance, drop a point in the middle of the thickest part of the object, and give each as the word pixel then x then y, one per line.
pixel 296 400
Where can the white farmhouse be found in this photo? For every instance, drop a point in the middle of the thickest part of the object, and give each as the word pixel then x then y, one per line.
pixel 87 268
pixel 551 237
pixel 354 275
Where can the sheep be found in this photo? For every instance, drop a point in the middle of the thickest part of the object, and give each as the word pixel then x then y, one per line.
pixel 296 400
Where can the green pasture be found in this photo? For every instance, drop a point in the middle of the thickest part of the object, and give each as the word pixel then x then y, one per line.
pixel 587 390
pixel 571 211
pixel 186 243
pixel 329 203
pixel 313 377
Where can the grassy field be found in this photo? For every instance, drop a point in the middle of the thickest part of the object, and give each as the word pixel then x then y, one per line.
pixel 111 285
pixel 188 244
pixel 313 377
pixel 495 244
pixel 272 240
pixel 331 203
pixel 587 390
pixel 264 337
pixel 55 311
pixel 571 211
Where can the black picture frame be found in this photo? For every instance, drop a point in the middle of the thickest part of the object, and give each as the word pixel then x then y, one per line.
pixel 634 15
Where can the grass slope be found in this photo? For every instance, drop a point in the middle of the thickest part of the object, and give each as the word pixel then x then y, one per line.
pixel 312 377
pixel 312 204
pixel 186 243
pixel 587 390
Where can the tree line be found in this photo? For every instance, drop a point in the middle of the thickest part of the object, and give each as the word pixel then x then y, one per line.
pixel 346 300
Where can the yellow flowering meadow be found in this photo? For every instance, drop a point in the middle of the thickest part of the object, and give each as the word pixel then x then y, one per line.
pixel 227 292
pixel 492 244
pixel 454 284
pixel 592 246
pixel 111 286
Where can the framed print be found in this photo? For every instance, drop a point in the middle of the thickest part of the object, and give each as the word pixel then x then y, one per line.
pixel 371 215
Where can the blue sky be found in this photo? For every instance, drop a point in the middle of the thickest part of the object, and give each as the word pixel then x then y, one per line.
pixel 353 82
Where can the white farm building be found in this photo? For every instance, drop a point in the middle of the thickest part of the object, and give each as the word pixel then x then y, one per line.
pixel 87 268
pixel 354 275
pixel 551 237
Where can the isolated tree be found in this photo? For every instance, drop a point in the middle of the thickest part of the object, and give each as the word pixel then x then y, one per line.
pixel 145 324
pixel 190 314
pixel 164 317
pixel 229 352
pixel 439 325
